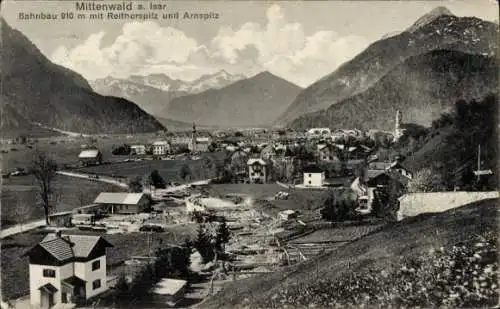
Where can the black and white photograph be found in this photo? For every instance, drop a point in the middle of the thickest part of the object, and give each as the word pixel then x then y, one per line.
pixel 249 154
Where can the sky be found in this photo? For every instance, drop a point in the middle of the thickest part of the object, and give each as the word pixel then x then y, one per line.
pixel 299 41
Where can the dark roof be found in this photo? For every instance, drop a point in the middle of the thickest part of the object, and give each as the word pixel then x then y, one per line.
pixel 58 247
pixel 370 174
pixel 74 281
pixel 83 244
pixel 379 165
pixel 67 247
pixel 48 288
pixel 312 169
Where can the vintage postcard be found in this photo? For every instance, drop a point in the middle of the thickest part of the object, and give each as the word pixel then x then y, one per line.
pixel 249 154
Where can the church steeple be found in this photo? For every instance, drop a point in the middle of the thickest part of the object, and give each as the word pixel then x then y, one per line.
pixel 193 138
pixel 398 132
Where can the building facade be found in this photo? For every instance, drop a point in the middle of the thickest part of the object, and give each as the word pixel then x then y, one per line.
pixel 138 149
pixel 313 176
pixel 257 171
pixel 122 203
pixel 67 269
pixel 161 148
pixel 90 157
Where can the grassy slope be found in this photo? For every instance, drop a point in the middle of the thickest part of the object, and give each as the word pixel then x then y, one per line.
pixel 381 250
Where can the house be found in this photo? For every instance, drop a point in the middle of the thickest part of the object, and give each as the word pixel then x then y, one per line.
pixel 67 269
pixel 89 157
pixel 61 218
pixel 313 176
pixel 257 170
pixel 161 148
pixel 318 132
pixel 268 152
pixel 83 219
pixel 326 153
pixel 201 144
pixel 169 292
pixel 399 168
pixel 122 203
pixel 391 166
pixel 138 150
pixel 384 178
pixel 365 196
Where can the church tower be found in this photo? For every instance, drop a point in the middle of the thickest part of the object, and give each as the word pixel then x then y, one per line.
pixel 193 139
pixel 398 132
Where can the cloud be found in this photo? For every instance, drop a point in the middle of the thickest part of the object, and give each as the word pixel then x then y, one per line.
pixel 279 46
pixel 286 50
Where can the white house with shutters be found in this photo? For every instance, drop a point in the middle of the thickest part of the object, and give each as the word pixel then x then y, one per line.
pixel 67 269
pixel 313 176
pixel 257 170
pixel 161 148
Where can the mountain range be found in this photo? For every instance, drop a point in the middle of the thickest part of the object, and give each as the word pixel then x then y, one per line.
pixel 392 57
pixel 254 101
pixel 422 88
pixel 35 90
pixel 153 92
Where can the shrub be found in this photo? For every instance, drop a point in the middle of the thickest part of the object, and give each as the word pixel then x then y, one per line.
pixel 463 276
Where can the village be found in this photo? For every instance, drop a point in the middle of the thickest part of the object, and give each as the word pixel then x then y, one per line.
pixel 241 204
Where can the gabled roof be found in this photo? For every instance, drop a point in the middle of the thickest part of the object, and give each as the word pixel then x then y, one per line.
pixel 253 161
pixel 49 288
pixel 66 247
pixel 83 244
pixel 312 169
pixel 161 143
pixel 380 165
pixel 118 198
pixel 74 281
pixel 57 247
pixel 370 174
pixel 88 153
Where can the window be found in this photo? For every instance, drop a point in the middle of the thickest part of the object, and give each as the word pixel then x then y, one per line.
pixel 309 182
pixel 96 265
pixel 309 175
pixel 49 273
pixel 96 284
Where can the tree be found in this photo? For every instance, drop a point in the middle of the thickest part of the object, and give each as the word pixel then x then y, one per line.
pixel 44 169
pixel 339 205
pixel 223 236
pixel 23 211
pixel 135 185
pixel 185 172
pixel 204 244
pixel 156 180
pixel 122 291
pixel 425 180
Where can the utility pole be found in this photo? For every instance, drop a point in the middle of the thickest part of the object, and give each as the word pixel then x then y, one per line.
pixel 478 162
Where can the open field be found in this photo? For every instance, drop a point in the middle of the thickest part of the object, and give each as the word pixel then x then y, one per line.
pixel 65 150
pixel 384 250
pixel 20 201
pixel 15 271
